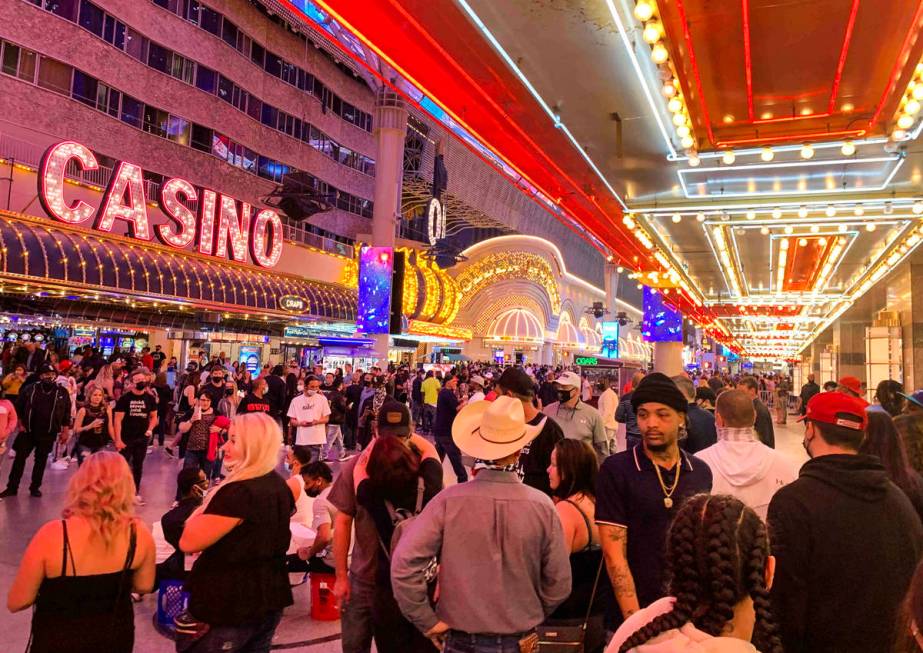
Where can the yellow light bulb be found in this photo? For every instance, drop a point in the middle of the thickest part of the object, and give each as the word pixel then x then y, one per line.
pixel 677 218
pixel 679 119
pixel 687 141
pixel 807 151
pixel 675 105
pixel 870 227
pixel 848 148
pixel 917 92
pixel 912 107
pixel 694 160
pixel 767 154
pixel 652 32
pixel 659 54
pixel 751 215
pixel 669 90
pixel 700 217
pixel 777 213
pixel 802 242
pixel 682 131
pixel 728 157
pixel 644 10
pixel 764 231
pixel 905 121
pixel 803 212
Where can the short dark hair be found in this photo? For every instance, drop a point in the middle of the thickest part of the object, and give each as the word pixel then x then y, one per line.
pixel 308 379
pixel 830 385
pixel 840 436
pixel 186 479
pixel 577 467
pixel 749 382
pixel 301 455
pixel 516 381
pixel 736 409
pixel 317 469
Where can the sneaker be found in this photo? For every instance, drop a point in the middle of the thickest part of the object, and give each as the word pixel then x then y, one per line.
pixel 60 464
pixel 139 501
pixel 150 449
pixel 169 452
pixel 36 493
pixel 7 493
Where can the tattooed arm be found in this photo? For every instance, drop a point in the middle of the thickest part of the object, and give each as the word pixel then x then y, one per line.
pixel 615 549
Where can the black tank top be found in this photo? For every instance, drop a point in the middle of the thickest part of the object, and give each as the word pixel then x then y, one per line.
pixel 85 614
pixel 584 568
pixel 95 438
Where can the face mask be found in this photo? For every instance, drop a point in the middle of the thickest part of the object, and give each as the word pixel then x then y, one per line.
pixel 47 384
pixel 287 466
pixel 312 491
pixel 311 393
pixel 199 490
pixel 564 396
pixel 141 386
pixel 217 379
pixel 228 391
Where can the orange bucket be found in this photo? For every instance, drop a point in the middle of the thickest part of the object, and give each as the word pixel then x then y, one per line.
pixel 323 603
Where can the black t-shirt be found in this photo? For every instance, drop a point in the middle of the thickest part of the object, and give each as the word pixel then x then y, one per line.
pixel 446 409
pixel 628 494
pixel 536 456
pixel 159 358
pixel 137 410
pixel 253 404
pixel 243 576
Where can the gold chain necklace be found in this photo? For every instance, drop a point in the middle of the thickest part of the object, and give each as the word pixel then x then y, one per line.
pixel 667 501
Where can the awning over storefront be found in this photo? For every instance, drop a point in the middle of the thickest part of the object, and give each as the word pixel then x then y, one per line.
pixel 568 336
pixel 516 326
pixel 33 250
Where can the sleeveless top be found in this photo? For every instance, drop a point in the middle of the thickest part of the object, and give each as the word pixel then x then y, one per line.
pixel 85 614
pixel 304 506
pixel 584 565
pixel 95 438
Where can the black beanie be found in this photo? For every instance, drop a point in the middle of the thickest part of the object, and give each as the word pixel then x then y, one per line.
pixel 659 388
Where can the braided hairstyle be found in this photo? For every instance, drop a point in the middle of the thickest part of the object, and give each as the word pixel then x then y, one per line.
pixel 716 556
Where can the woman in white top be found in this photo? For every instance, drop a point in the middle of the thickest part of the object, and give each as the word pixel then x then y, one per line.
pixel 304 504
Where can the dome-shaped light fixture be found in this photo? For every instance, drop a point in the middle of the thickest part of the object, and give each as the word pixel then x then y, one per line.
pixel 830 210
pixel 652 32
pixel 776 213
pixel 807 151
pixel 848 148
pixel 802 211
pixel 659 54
pixel 905 121
pixel 917 207
pixel 644 10
pixel 728 157
pixel 700 217
pixel 677 218
pixel 767 154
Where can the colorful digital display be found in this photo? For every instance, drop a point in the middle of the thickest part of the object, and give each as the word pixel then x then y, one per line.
pixel 661 323
pixel 610 344
pixel 376 266
pixel 250 358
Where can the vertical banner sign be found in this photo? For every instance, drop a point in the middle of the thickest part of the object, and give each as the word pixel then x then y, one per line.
pixel 376 266
pixel 610 346
pixel 661 323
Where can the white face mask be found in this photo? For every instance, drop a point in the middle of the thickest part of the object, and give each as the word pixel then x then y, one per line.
pixel 311 393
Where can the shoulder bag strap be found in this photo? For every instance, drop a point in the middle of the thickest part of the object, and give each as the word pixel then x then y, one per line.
pixel 586 521
pixel 589 608
pixel 65 551
pixel 420 488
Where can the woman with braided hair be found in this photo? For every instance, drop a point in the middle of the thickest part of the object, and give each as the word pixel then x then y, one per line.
pixel 719 570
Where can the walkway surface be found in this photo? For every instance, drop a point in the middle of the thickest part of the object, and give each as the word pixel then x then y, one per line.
pixel 21 516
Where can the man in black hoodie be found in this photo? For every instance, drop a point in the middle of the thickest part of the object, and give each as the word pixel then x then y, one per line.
pixel 845 538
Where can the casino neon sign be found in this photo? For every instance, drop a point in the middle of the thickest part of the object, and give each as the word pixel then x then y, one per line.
pixel 222 226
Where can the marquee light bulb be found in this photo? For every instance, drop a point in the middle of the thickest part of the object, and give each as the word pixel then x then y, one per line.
pixel 789 230
pixel 677 218
pixel 917 207
pixel 830 210
pixel 815 228
pixel 905 121
pixel 728 157
pixel 807 151
pixel 683 131
pixel 659 54
pixel 694 160
pixel 652 32
pixel 848 148
pixel 777 213
pixel 764 231
pixel 870 226
pixel 912 107
pixel 620 269
pixel 898 135
pixel 767 154
pixel 687 141
pixel 802 211
pixel 678 119
pixel 843 228
pixel 802 242
pixel 644 10
pixel 917 92
pixel 669 90
pixel 700 217
pixel 751 215
pixel 675 105
pixel 858 211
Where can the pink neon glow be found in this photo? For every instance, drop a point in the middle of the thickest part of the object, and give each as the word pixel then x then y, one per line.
pixel 182 235
pixel 266 221
pixel 234 228
pixel 207 221
pixel 51 181
pixel 127 178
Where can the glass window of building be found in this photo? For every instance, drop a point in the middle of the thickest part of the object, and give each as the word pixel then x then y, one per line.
pixel 54 75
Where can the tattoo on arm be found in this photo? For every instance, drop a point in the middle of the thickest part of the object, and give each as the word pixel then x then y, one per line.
pixel 615 549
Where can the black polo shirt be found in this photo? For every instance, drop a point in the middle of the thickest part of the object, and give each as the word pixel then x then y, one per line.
pixel 628 494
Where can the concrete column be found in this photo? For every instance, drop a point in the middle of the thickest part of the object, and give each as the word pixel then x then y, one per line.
pixel 390 132
pixel 668 358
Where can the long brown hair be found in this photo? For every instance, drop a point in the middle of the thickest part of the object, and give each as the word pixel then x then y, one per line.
pixel 577 467
pixel 393 468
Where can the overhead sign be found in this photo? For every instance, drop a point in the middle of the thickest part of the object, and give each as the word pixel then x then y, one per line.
pixel 586 361
pixel 293 304
pixel 222 226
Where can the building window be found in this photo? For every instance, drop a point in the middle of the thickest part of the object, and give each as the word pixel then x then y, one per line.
pixel 114 32
pixel 201 138
pixel 178 130
pixel 182 68
pixel 132 111
pixel 206 79
pixel 210 20
pixel 54 75
pixel 158 58
pixel 63 8
pixel 155 121
pixel 92 18
pixel 10 59
pixel 136 45
pixel 257 53
pixel 27 65
pixel 84 88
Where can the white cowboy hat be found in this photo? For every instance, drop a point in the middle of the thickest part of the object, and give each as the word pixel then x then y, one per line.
pixel 491 430
pixel 478 380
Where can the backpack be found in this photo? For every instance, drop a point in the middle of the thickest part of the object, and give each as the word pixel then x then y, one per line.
pixel 402 518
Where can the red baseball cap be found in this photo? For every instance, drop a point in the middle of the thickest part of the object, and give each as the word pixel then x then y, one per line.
pixel 851 383
pixel 838 409
pixel 222 422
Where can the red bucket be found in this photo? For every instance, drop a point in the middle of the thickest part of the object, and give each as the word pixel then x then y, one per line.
pixel 323 603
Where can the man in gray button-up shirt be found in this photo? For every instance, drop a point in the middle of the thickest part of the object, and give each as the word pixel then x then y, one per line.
pixel 503 563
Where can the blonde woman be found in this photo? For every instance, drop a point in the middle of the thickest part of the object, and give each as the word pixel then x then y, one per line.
pixel 239 584
pixel 79 572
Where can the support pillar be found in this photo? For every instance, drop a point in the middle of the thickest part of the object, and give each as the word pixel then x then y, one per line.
pixel 390 132
pixel 668 358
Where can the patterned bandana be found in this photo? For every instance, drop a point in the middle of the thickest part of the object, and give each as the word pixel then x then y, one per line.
pixel 490 464
pixel 730 434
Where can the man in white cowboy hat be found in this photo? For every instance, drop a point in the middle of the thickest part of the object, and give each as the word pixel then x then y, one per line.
pixel 503 564
pixel 578 420
pixel 477 385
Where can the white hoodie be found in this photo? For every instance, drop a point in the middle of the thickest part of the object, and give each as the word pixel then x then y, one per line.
pixel 686 639
pixel 745 468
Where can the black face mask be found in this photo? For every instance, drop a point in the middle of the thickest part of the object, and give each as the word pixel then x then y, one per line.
pixel 217 379
pixel 229 391
pixel 47 384
pixel 141 386
pixel 564 395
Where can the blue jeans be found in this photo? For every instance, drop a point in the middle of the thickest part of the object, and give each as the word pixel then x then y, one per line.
pixel 198 459
pixel 459 642
pixel 356 617
pixel 447 447
pixel 253 636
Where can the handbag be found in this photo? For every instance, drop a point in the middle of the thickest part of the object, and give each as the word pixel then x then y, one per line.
pixel 568 638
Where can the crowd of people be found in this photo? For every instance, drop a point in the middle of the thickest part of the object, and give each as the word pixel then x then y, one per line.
pixel 655 517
